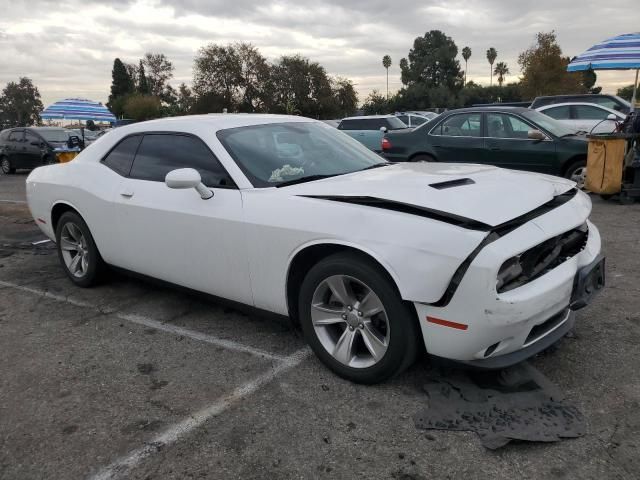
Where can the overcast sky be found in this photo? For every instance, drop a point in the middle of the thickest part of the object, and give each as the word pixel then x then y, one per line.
pixel 67 46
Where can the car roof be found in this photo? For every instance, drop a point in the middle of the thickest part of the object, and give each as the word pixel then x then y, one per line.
pixel 586 104
pixel 360 117
pixel 488 109
pixel 216 121
pixel 568 95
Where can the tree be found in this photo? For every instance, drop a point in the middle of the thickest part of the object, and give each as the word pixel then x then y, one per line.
pixel 142 107
pixel 432 62
pixel 254 79
pixel 143 84
pixel 626 92
pixel 492 54
pixel 121 86
pixel 217 73
pixel 404 65
pixel 544 69
pixel 345 97
pixel 386 63
pixel 159 71
pixel 375 104
pixel 20 104
pixel 501 70
pixel 466 54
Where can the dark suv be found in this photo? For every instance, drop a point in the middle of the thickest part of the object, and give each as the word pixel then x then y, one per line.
pixel 30 147
pixel 609 101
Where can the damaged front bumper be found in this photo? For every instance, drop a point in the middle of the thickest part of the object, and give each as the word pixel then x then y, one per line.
pixel 485 328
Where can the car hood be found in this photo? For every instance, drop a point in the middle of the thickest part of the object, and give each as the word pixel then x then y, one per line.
pixel 481 193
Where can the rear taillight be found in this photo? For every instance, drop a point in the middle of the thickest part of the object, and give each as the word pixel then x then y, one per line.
pixel 386 144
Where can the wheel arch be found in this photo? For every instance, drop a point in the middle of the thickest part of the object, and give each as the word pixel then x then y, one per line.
pixel 58 209
pixel 571 160
pixel 417 154
pixel 306 256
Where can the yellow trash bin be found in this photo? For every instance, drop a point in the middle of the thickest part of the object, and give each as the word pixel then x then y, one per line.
pixel 605 164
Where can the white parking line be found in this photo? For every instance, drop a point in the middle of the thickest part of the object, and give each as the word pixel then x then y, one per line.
pixel 149 322
pixel 121 466
pixel 12 201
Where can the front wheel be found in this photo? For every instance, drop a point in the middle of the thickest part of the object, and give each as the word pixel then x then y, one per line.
pixel 577 172
pixel 355 321
pixel 77 251
pixel 6 167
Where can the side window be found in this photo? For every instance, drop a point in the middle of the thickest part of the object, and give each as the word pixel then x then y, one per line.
pixel 559 113
pixel 160 153
pixel 606 102
pixel 404 119
pixel 506 126
pixel 462 125
pixel 587 112
pixel 15 136
pixel 415 121
pixel 31 139
pixel 374 123
pixel 350 125
pixel 120 158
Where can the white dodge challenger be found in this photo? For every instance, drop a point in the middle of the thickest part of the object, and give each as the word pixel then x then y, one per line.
pixel 376 261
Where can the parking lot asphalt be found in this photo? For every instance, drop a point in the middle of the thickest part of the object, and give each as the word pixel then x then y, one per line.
pixel 133 380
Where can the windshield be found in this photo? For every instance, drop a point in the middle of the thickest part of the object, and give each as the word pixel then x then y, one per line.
pixel 547 123
pixel 281 152
pixel 53 134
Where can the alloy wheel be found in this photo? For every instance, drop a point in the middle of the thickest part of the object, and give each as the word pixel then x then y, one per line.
pixel 75 250
pixel 579 175
pixel 350 321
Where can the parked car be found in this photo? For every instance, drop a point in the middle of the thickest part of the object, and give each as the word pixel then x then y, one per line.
pixel 509 137
pixel 30 147
pixel 415 119
pixel 610 101
pixel 369 130
pixel 373 259
pixel 332 123
pixel 584 117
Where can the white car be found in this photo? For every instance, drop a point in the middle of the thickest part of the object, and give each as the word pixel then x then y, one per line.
pixel 584 117
pixel 376 261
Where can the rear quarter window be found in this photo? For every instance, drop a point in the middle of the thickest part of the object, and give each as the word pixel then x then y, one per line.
pixel 120 158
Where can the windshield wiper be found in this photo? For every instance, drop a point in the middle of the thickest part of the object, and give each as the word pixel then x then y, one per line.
pixel 308 178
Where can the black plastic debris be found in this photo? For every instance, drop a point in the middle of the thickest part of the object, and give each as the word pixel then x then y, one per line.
pixel 518 403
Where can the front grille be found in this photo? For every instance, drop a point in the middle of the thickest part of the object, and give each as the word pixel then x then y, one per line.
pixel 540 259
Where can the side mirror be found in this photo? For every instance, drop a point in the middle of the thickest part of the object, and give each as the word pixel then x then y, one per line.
pixel 536 135
pixel 612 117
pixel 187 178
pixel 383 129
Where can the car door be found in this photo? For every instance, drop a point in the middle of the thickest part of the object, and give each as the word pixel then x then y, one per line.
pixel 508 145
pixel 562 114
pixel 175 235
pixel 590 118
pixel 458 138
pixel 32 150
pixel 13 148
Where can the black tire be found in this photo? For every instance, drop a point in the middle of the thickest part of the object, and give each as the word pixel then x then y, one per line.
pixel 404 335
pixel 606 196
pixel 49 160
pixel 573 167
pixel 95 264
pixel 423 157
pixel 6 167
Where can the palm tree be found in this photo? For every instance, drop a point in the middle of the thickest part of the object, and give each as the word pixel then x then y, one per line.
pixel 386 63
pixel 501 70
pixel 491 56
pixel 466 54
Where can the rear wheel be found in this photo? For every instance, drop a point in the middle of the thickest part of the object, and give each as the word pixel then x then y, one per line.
pixel 423 157
pixel 577 172
pixel 355 321
pixel 6 167
pixel 77 251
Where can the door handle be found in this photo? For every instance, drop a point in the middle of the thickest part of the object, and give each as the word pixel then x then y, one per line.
pixel 127 193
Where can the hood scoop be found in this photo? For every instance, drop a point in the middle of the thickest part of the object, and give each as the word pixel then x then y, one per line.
pixel 459 182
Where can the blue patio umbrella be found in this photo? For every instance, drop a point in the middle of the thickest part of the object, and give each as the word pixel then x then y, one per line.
pixel 78 109
pixel 616 53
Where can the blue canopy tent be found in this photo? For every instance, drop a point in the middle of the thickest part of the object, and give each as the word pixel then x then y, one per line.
pixel 617 53
pixel 78 109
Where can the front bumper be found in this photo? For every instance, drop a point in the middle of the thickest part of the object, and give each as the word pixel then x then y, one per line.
pixel 481 327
